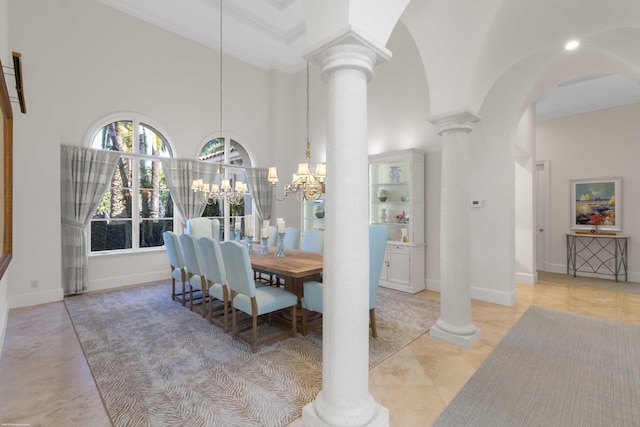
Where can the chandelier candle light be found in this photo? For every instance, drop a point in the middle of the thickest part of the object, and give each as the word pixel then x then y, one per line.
pixel 224 190
pixel 280 245
pixel 264 236
pixel 248 232
pixel 304 184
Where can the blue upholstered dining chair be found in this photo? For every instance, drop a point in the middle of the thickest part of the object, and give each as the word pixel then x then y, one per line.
pixel 195 270
pixel 312 291
pixel 216 278
pixel 313 240
pixel 201 227
pixel 291 238
pixel 251 299
pixel 177 263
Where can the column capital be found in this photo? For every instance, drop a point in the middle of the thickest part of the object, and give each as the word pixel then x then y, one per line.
pixel 461 121
pixel 349 48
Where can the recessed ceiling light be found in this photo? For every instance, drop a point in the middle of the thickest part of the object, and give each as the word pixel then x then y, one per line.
pixel 572 45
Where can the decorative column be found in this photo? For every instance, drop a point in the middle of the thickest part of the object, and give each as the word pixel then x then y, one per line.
pixel 455 324
pixel 346 63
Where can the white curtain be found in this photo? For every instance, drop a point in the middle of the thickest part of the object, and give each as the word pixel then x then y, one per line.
pixel 85 175
pixel 262 192
pixel 179 174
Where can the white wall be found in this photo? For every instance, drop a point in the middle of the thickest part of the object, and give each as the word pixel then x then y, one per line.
pixel 601 144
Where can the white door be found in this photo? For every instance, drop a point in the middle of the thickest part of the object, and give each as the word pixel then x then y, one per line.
pixel 542 203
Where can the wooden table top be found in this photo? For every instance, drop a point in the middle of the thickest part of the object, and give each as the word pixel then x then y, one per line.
pixel 295 264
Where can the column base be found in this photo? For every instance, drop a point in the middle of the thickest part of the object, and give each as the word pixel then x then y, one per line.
pixel 465 341
pixel 310 418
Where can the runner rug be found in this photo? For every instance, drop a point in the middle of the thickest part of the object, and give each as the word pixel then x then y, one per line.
pixel 158 364
pixel 555 369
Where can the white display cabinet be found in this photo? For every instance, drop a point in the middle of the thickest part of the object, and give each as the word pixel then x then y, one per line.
pixel 397 202
pixel 313 215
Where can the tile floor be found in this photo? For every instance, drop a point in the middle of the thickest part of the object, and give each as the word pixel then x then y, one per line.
pixel 45 381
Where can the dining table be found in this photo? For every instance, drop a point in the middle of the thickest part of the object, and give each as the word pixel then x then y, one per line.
pixel 296 267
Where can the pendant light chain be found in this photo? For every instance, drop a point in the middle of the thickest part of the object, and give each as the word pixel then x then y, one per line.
pixel 308 152
pixel 221 68
pixel 224 190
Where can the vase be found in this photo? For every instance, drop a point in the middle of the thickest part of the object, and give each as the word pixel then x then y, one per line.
pixel 382 195
pixel 383 215
pixel 395 174
pixel 319 211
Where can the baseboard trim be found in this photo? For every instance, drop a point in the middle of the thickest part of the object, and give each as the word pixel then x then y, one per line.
pixel 482 294
pixel 4 319
pixel 526 278
pixel 36 298
pixel 132 279
pixel 632 276
pixel 493 296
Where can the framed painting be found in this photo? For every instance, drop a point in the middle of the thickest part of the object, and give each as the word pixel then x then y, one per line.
pixel 6 176
pixel 595 204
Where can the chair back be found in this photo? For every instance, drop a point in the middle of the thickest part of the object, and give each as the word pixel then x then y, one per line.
pixel 212 260
pixel 189 244
pixel 378 237
pixel 313 240
pixel 238 268
pixel 174 251
pixel 273 235
pixel 291 238
pixel 204 227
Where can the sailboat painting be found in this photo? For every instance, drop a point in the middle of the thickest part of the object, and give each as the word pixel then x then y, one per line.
pixel 596 204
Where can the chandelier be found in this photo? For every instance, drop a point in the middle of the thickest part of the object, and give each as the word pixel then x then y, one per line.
pixel 213 192
pixel 234 195
pixel 306 185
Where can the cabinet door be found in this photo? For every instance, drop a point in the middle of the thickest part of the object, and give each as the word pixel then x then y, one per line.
pixel 399 265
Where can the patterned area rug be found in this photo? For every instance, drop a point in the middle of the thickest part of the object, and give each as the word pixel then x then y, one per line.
pixel 158 364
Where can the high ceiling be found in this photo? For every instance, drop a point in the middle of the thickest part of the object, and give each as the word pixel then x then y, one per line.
pixel 266 33
pixel 270 34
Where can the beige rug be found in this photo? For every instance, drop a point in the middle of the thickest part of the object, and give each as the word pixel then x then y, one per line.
pixel 554 369
pixel 158 364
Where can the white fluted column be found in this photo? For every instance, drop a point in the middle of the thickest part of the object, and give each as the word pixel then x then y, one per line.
pixel 454 324
pixel 346 65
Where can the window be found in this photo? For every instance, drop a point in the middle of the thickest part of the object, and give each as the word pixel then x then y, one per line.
pixel 137 208
pixel 213 151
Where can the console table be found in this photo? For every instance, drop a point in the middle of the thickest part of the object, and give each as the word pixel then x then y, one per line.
pixel 598 254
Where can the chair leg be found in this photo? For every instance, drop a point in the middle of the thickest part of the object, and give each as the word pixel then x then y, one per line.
pixel 173 289
pixel 190 297
pixel 254 343
pixel 233 321
pixel 225 310
pixel 372 321
pixel 304 321
pixel 203 309
pixel 184 295
pixel 294 320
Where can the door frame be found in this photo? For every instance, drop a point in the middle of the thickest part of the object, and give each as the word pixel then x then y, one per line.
pixel 545 211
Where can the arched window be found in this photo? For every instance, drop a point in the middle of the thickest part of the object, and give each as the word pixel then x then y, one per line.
pixel 213 151
pixel 137 208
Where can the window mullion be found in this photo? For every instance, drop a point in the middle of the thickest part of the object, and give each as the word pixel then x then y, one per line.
pixel 135 190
